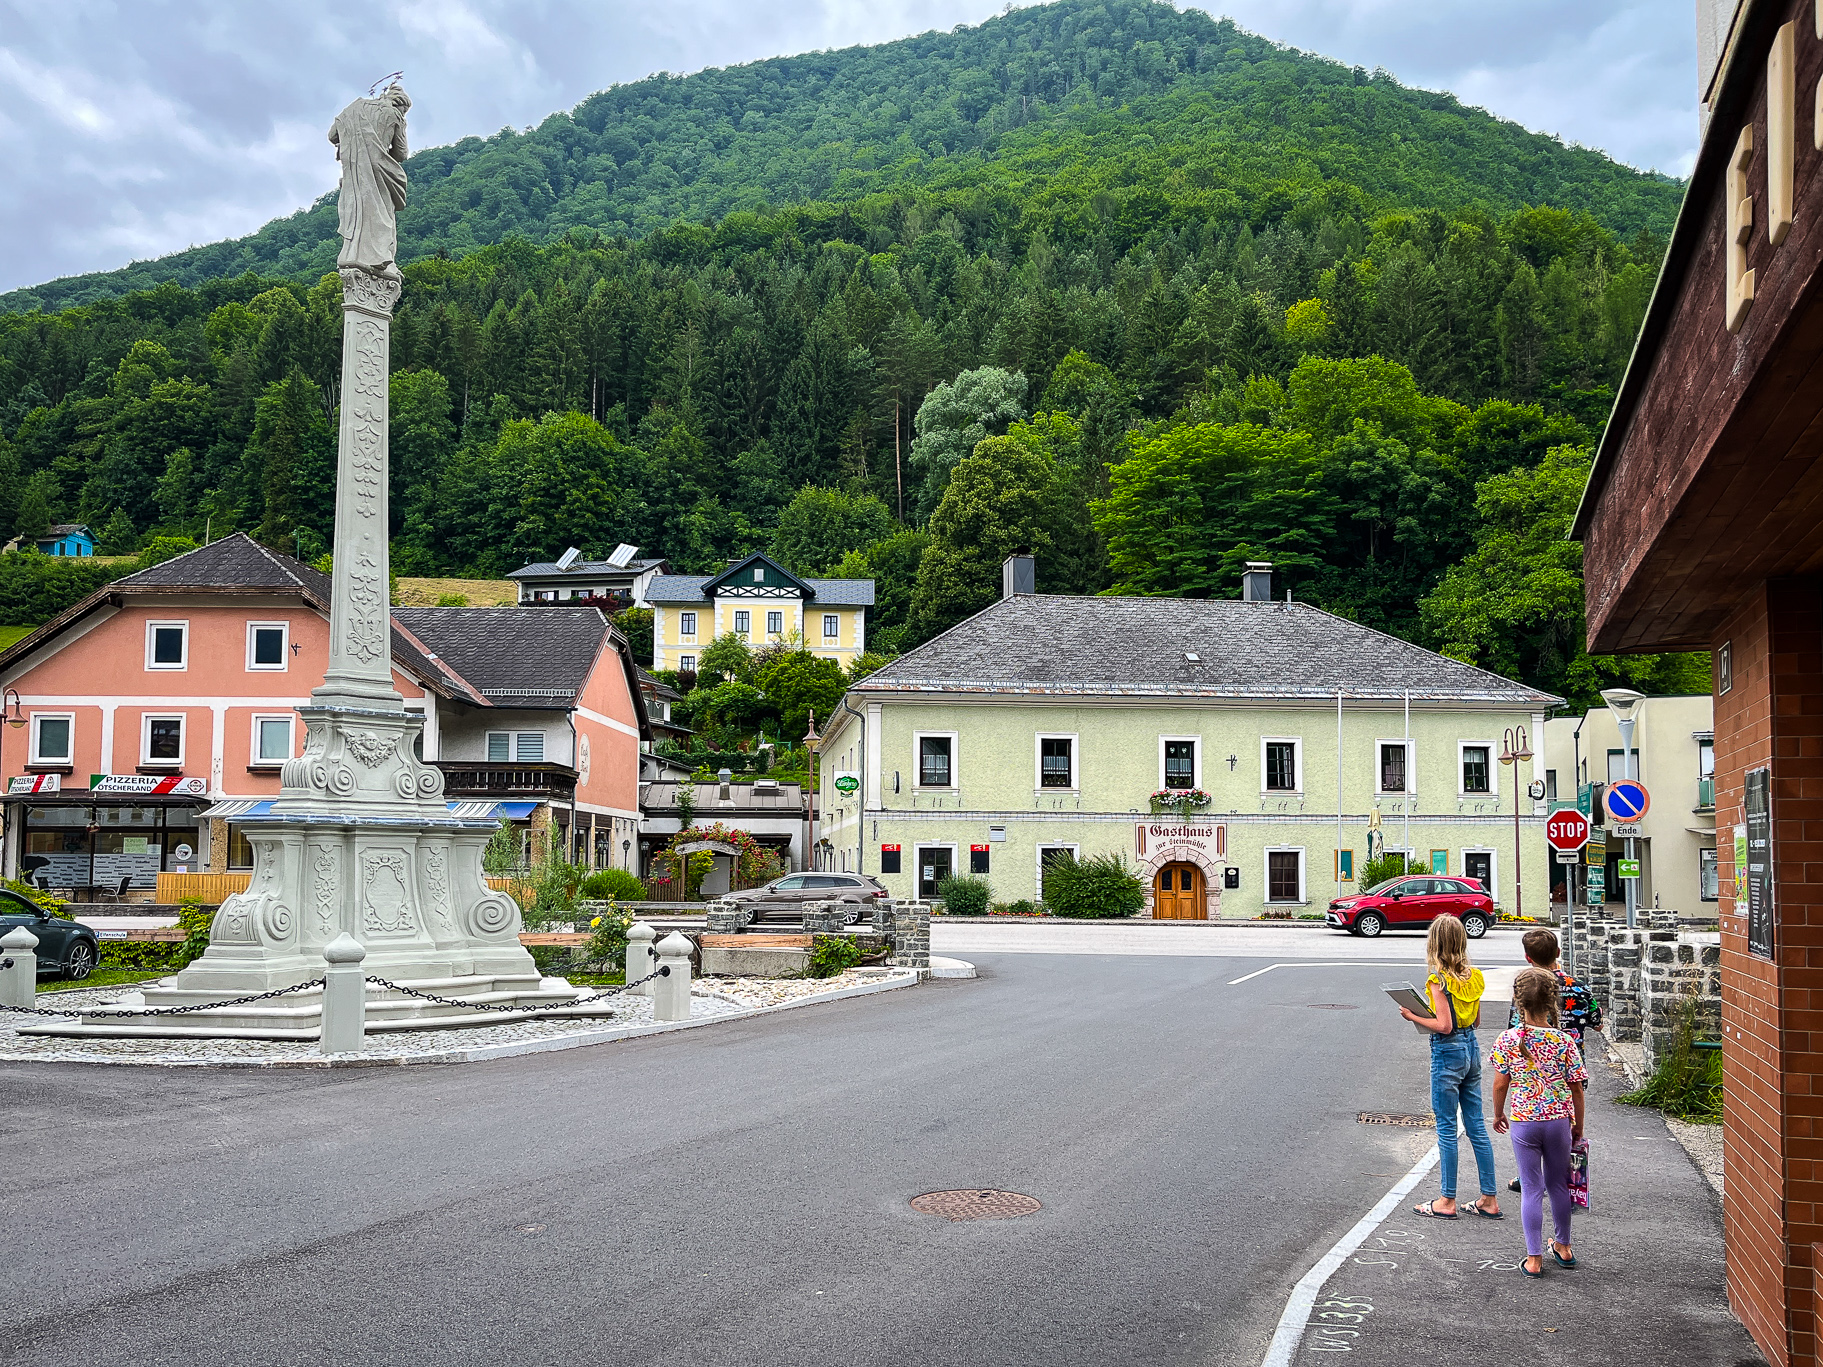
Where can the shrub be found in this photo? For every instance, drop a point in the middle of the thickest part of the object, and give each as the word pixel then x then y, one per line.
pixel 1377 871
pixel 452 600
pixel 613 885
pixel 1687 1084
pixel 964 896
pixel 608 937
pixel 1099 886
pixel 832 954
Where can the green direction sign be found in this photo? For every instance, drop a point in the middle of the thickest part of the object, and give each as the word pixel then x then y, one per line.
pixel 1629 868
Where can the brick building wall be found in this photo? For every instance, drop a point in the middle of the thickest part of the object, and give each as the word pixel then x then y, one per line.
pixel 1772 1013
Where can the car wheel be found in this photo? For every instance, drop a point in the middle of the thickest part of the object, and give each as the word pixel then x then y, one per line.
pixel 1474 925
pixel 851 912
pixel 81 961
pixel 1369 924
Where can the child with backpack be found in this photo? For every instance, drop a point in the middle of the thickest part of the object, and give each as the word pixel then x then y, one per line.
pixel 1577 1009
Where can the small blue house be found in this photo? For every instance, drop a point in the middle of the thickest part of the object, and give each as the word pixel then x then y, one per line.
pixel 67 538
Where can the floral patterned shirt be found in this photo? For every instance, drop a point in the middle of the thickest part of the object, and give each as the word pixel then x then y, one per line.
pixel 1540 1089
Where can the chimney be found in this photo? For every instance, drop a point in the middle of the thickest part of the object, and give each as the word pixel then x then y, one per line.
pixel 1019 574
pixel 1256 583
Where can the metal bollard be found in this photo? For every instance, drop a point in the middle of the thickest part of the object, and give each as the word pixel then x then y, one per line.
pixel 671 993
pixel 344 996
pixel 640 958
pixel 18 967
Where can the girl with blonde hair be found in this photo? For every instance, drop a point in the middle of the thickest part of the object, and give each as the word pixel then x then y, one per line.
pixel 1455 987
pixel 1539 1070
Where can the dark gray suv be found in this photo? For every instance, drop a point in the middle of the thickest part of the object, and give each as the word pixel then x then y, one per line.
pixel 66 948
pixel 783 899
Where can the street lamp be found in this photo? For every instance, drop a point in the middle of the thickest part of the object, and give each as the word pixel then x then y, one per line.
pixel 811 741
pixel 1514 749
pixel 1624 704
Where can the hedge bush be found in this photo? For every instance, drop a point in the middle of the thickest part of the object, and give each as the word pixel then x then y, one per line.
pixel 964 896
pixel 613 885
pixel 1096 887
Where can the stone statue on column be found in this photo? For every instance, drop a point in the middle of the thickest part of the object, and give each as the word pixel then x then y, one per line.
pixel 369 138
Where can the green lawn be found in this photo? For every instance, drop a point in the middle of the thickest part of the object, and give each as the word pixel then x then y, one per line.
pixel 104 977
pixel 10 634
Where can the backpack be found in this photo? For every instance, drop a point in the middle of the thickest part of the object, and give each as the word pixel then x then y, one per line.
pixel 1577 1008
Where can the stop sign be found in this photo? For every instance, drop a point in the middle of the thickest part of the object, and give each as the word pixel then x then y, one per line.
pixel 1567 830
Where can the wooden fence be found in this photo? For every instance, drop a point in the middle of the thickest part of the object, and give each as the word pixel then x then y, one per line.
pixel 201 887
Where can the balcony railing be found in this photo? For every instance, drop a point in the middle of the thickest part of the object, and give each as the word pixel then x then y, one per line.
pixel 465 778
pixel 1705 795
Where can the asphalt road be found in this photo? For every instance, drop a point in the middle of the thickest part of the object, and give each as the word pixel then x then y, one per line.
pixel 735 1194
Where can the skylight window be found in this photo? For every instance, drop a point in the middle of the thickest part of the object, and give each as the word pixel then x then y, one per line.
pixel 1193 657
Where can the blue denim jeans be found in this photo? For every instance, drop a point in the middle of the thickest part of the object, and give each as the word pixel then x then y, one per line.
pixel 1456 1089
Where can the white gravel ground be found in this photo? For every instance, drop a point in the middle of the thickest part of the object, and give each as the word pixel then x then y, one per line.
pixel 711 999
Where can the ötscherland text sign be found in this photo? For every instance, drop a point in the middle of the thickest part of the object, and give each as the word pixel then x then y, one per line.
pixel 1627 799
pixel 1567 831
pixel 1760 914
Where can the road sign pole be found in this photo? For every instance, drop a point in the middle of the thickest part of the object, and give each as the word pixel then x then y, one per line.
pixel 1630 762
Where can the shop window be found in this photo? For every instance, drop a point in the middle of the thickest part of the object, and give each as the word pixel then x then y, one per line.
pixel 51 738
pixel 167 645
pixel 240 851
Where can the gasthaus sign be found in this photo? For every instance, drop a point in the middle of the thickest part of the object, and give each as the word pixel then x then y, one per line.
pixel 1207 838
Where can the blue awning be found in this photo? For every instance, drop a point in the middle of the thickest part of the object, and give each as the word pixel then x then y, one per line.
pixel 234 808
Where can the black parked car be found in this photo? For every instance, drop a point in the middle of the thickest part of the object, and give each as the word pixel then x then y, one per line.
pixel 65 948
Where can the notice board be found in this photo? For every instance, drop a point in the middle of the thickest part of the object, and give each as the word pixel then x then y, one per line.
pixel 1761 905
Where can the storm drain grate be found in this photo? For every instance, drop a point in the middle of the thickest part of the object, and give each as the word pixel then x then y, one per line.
pixel 1402 1118
pixel 1331 1006
pixel 974 1205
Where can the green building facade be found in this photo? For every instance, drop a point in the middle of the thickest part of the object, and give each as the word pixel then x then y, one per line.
pixel 1048 723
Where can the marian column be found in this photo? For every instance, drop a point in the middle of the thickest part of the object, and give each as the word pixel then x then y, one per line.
pixel 361 840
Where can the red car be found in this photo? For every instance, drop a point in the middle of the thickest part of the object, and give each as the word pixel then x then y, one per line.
pixel 1414 901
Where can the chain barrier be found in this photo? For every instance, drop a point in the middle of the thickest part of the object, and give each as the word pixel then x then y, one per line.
pixel 662 971
pixel 163 1010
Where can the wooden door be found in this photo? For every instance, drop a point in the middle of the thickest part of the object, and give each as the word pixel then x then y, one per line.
pixel 1177 894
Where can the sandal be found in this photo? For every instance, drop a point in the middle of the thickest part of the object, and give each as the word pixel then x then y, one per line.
pixel 1428 1209
pixel 1560 1260
pixel 1488 1214
pixel 1528 1271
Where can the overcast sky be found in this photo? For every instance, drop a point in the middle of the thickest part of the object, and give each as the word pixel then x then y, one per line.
pixel 132 128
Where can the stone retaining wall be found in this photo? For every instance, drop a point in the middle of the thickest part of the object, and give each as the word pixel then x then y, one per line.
pixel 1643 977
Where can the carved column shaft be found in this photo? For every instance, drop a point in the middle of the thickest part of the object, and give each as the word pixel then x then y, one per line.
pixel 360 625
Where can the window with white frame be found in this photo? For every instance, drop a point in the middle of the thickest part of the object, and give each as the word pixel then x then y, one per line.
pixel 272 739
pixel 1393 767
pixel 1057 761
pixel 775 623
pixel 686 623
pixel 53 734
pixel 1617 764
pixel 937 760
pixel 1177 762
pixel 1285 875
pixel 743 622
pixel 1476 760
pixel 759 574
pixel 161 739
pixel 515 747
pixel 167 645
pixel 832 626
pixel 266 645
pixel 1281 764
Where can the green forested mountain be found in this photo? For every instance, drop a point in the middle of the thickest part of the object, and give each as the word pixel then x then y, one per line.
pixel 1052 104
pixel 1272 309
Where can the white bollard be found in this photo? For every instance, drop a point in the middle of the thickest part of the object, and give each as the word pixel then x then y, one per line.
pixel 671 993
pixel 640 957
pixel 19 981
pixel 344 996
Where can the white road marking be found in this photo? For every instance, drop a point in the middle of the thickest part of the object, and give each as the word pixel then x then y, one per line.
pixel 1296 1318
pixel 1328 963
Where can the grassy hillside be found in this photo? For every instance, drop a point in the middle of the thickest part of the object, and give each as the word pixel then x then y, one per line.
pixel 1059 106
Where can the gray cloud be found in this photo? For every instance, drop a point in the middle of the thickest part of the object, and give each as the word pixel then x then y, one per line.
pixel 138 127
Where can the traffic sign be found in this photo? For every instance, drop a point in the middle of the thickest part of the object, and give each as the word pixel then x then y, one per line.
pixel 1629 868
pixel 1567 830
pixel 1627 799
pixel 1624 830
pixel 1569 856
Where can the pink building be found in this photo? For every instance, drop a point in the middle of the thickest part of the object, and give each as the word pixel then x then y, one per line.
pixel 171 692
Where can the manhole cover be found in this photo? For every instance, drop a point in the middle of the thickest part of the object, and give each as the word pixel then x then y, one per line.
pixel 974 1205
pixel 1332 1006
pixel 1410 1122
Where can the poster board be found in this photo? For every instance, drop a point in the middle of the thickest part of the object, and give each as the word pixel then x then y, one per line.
pixel 1761 908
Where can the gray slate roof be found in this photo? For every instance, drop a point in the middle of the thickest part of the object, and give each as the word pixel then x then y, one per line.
pixel 546 569
pixel 516 657
pixel 687 589
pixel 1044 643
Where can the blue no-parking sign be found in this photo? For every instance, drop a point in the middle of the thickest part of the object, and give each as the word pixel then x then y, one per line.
pixel 1627 799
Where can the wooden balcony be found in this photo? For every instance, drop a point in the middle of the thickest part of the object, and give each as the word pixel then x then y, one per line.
pixel 534 782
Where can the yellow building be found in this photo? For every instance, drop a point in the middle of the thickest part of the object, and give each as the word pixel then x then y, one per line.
pixel 761 602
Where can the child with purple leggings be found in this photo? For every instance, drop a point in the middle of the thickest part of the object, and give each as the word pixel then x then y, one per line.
pixel 1539 1070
